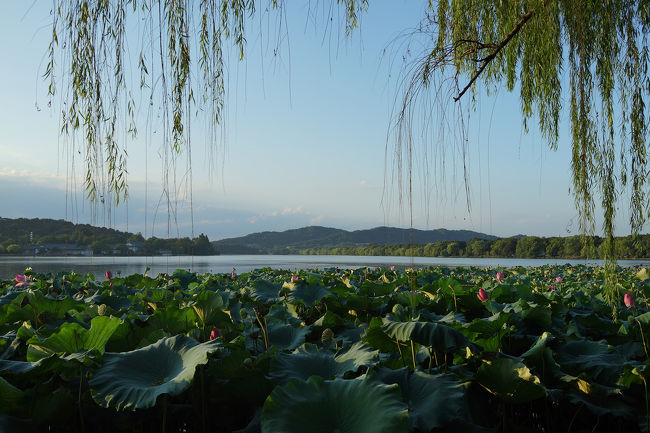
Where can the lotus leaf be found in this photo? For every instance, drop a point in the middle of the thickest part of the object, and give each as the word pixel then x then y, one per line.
pixel 440 337
pixel 11 398
pixel 345 406
pixel 511 380
pixel 435 401
pixel 73 338
pixel 307 294
pixel 309 360
pixel 133 380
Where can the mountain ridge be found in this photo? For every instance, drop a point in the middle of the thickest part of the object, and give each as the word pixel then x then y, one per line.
pixel 319 236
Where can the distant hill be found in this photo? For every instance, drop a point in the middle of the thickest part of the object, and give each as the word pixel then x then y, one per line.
pixel 316 236
pixel 44 236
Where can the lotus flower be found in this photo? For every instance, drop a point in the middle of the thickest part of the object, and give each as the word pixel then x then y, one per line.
pixel 233 274
pixel 392 268
pixel 294 278
pixel 109 275
pixel 629 300
pixel 22 280
pixel 552 288
pixel 482 295
pixel 216 333
pixel 558 279
pixel 500 277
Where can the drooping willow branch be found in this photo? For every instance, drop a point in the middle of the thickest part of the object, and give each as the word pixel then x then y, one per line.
pixel 485 61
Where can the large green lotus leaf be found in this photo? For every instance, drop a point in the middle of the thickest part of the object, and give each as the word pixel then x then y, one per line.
pixel 264 291
pixel 133 380
pixel 329 320
pixel 305 362
pixel 286 337
pixel 436 335
pixel 540 357
pixel 174 320
pixel 309 360
pixel 360 353
pixel 345 406
pixel 52 308
pixel 511 380
pixel 487 326
pixel 207 305
pixel 435 401
pixel 591 357
pixel 72 338
pixel 377 338
pixel 374 288
pixel 21 367
pixel 307 294
pixel 11 398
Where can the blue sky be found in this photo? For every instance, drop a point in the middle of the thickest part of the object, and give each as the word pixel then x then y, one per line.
pixel 304 144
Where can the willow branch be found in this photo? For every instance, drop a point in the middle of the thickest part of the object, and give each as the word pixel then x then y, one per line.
pixel 494 53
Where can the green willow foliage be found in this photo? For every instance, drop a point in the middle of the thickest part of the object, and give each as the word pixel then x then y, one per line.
pixel 89 50
pixel 533 44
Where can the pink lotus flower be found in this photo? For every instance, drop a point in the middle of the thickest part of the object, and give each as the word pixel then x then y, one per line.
pixel 500 277
pixel 558 279
pixel 233 274
pixel 294 278
pixel 392 268
pixel 216 333
pixel 629 300
pixel 109 275
pixel 22 280
pixel 482 295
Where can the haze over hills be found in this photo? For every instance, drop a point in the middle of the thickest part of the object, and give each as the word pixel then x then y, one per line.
pixel 316 236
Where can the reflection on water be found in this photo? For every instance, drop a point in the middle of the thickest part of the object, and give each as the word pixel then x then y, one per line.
pixel 10 266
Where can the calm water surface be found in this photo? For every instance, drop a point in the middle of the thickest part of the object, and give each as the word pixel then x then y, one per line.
pixel 10 266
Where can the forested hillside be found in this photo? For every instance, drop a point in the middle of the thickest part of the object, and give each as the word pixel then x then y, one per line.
pixel 23 235
pixel 325 237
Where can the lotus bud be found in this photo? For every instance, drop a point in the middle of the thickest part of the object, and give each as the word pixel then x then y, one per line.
pixel 327 336
pixel 482 295
pixel 216 333
pixel 108 275
pixel 629 300
pixel 233 274
pixel 500 277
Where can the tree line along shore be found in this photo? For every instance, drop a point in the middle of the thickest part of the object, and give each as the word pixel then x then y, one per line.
pixel 571 247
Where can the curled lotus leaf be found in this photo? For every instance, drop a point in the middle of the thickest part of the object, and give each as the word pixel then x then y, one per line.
pixel 345 406
pixel 135 379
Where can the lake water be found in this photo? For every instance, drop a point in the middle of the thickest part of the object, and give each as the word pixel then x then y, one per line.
pixel 10 266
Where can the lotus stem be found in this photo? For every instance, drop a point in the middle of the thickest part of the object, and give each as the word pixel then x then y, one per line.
pixel 645 348
pixel 413 354
pixel 399 349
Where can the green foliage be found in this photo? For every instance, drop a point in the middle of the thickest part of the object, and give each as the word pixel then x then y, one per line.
pixel 406 351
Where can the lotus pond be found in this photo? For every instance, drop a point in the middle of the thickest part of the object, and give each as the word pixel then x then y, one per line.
pixel 365 350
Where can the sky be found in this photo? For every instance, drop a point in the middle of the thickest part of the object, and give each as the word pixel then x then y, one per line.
pixel 304 143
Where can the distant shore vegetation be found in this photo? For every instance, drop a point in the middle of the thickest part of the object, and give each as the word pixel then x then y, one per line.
pixel 571 247
pixel 47 237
